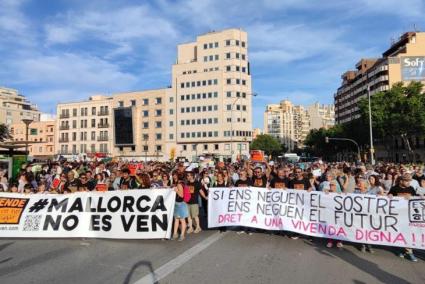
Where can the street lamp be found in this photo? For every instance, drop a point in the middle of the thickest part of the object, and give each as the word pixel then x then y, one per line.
pixel 27 122
pixel 372 150
pixel 231 122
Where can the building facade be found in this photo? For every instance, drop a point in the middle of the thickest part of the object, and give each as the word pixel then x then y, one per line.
pixel 14 107
pixel 290 124
pixel 321 116
pixel 279 122
pixel 41 135
pixel 404 61
pixel 130 125
pixel 211 96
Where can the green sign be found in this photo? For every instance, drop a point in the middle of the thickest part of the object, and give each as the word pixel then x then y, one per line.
pixel 18 160
pixel 33 131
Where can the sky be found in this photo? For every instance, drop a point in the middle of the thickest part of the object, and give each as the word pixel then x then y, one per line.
pixel 66 50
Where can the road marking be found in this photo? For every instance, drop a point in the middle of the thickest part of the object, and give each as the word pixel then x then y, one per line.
pixel 178 261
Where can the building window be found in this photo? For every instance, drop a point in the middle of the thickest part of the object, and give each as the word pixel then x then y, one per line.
pixel 145 113
pixel 158 112
pixel 171 99
pixel 228 55
pixel 145 137
pixel 145 102
pixel 171 111
pixel 205 147
pixel 93 110
pixel 216 147
pixel 158 124
pixel 171 136
pixel 121 103
pixel 184 147
pixel 205 46
pixel 145 125
pixel 228 42
pixel 133 102
pixel 243 44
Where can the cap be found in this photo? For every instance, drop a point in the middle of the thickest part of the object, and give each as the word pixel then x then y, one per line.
pixel 271 163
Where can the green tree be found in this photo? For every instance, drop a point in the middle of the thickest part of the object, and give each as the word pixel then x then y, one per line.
pixel 396 112
pixel 267 143
pixel 4 132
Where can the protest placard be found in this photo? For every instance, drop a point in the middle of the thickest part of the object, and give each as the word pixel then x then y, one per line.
pixel 138 214
pixel 358 218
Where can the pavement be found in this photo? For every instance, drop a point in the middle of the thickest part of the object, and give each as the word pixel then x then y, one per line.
pixel 208 257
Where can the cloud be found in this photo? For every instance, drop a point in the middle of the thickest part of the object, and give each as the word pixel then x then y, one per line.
pixel 11 18
pixel 272 43
pixel 66 77
pixel 129 23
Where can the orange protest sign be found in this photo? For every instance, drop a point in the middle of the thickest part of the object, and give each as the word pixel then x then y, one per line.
pixel 11 210
pixel 132 169
pixel 257 156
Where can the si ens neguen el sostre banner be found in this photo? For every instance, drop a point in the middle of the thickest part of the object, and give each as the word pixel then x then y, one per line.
pixel 135 214
pixel 357 218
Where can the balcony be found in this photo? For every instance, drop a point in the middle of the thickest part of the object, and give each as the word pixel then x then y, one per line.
pixel 103 125
pixel 63 140
pixel 102 138
pixel 102 113
pixel 64 115
pixel 64 127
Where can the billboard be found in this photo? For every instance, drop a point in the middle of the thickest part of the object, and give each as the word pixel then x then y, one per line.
pixel 413 68
pixel 124 126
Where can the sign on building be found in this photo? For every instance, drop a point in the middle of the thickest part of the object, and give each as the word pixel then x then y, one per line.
pixel 413 68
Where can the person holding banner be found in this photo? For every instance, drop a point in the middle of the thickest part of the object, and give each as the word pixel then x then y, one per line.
pixel 404 189
pixel 281 181
pixel 180 211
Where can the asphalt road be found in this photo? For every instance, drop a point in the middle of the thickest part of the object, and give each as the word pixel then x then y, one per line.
pixel 209 257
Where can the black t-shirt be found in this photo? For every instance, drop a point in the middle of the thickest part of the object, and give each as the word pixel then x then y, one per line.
pixel 419 178
pixel 303 184
pixel 259 182
pixel 91 184
pixel 243 183
pixel 278 182
pixel 194 188
pixel 402 191
pixel 128 183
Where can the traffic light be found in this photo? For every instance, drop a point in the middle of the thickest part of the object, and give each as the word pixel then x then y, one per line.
pixel 327 139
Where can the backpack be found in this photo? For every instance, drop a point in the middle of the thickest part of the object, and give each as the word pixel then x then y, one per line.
pixel 186 193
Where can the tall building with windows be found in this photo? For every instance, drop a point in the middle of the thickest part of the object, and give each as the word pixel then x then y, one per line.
pixel 210 101
pixel 14 107
pixel 279 122
pixel 207 109
pixel 290 124
pixel 404 61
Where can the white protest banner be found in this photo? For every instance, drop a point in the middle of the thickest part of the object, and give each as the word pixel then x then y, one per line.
pixel 350 217
pixel 129 214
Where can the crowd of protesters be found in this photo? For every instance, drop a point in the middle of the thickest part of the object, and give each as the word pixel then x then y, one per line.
pixel 66 177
